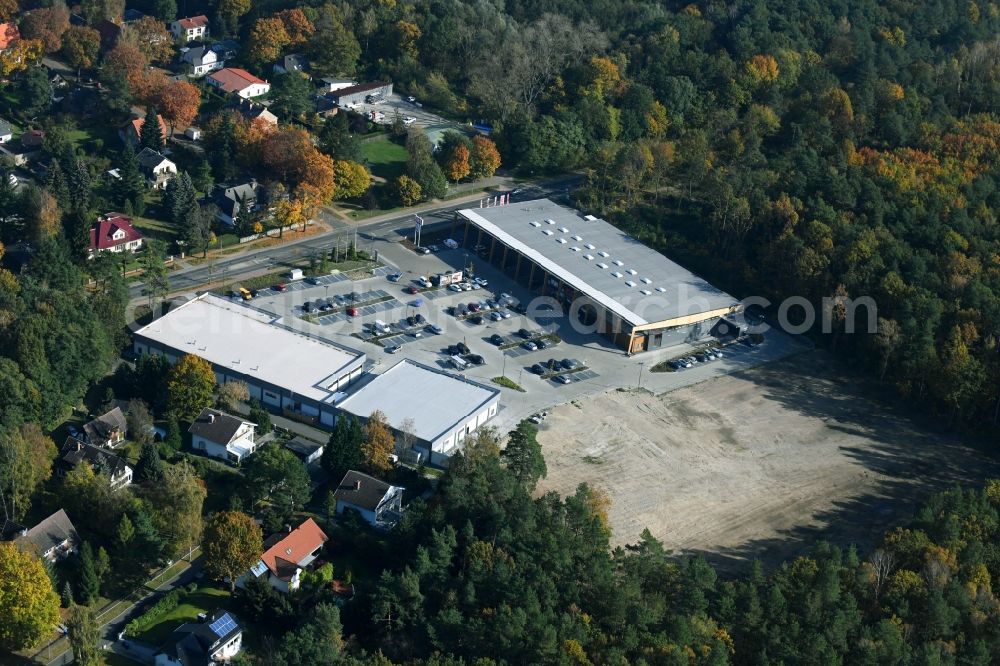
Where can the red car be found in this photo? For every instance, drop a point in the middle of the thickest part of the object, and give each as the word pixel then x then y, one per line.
pixel 352 312
pixel 473 307
pixel 280 287
pixel 412 290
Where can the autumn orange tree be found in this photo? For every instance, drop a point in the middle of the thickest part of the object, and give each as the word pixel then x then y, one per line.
pixel 456 167
pixel 485 157
pixel 379 443
pixel 267 38
pixel 8 9
pixel 297 25
pixel 178 103
pixel 46 24
pixel 19 55
pixel 150 37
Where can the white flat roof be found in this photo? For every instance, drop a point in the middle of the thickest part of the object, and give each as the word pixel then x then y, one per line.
pixel 253 343
pixel 435 400
pixel 599 260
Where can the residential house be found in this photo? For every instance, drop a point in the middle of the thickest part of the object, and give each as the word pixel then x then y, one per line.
pixel 110 32
pixel 378 502
pixel 294 62
pixel 53 539
pixel 364 93
pixel 131 16
pixel 76 452
pixel 202 60
pixel 307 451
pixel 156 168
pixel 227 49
pixel 238 81
pixel 6 131
pixel 8 35
pixel 222 435
pixel 108 430
pixel 232 200
pixel 214 639
pixel 112 232
pixel 188 29
pixel 254 110
pixel 325 107
pixel 33 138
pixel 286 554
pixel 132 132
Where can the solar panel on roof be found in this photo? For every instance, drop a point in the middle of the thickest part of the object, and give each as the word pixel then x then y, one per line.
pixel 223 625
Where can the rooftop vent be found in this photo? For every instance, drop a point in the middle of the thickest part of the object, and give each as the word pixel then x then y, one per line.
pixel 617 274
pixel 603 253
pixel 590 246
pixel 619 262
pixel 549 220
pixel 560 240
pixel 535 224
pixel 588 257
pixel 631 271
pixel 630 283
pixel 589 218
pixel 647 292
pixel 575 248
pixel 547 232
pixel 602 265
pixel 662 290
pixel 646 281
pixel 577 238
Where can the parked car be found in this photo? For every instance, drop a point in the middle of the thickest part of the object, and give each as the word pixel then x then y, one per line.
pixel 312 280
pixel 482 282
pixel 496 339
pixel 412 290
pixel 530 346
pixel 280 287
pixel 411 99
pixel 435 329
pixel 454 286
pixel 416 334
pixel 463 348
pixel 476 359
pixel 392 349
pixel 543 343
pixel 474 307
pixel 422 250
pixel 505 314
pixel 352 312
pixel 394 277
pixel 563 379
pixel 476 320
pixel 520 309
pixel 307 306
pixel 467 287
pixel 538 369
pixel 496 316
pixel 569 364
pixel 409 120
pixel 524 333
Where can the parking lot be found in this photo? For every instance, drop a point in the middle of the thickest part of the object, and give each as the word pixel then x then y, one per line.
pixel 602 367
pixel 434 125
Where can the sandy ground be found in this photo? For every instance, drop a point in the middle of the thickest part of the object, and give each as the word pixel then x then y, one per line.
pixel 761 463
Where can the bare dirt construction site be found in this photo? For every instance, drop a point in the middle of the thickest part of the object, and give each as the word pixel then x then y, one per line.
pixel 758 464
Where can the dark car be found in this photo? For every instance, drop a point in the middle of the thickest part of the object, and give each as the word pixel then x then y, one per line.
pixel 553 364
pixel 543 343
pixel 520 309
pixel 477 320
pixel 463 348
pixel 538 369
pixel 280 287
pixel 476 359
pixel 419 318
pixel 394 277
pixel 496 339
pixel 568 364
pixel 307 306
pixel 463 310
pixel 524 333
pixel 352 312
pixel 253 293
pixel 474 307
pixel 530 346
pixel 412 290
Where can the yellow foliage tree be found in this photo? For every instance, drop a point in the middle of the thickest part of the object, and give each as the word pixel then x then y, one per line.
pixel 485 157
pixel 28 604
pixel 350 179
pixel 408 190
pixel 457 166
pixel 379 443
pixel 762 70
pixel 190 385
pixel 19 55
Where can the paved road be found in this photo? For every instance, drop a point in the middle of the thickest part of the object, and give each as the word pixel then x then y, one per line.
pixel 253 262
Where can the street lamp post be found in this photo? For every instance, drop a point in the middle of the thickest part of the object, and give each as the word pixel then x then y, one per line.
pixel 639 384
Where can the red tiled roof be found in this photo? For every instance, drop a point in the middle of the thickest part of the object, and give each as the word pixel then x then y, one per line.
pixel 136 125
pixel 8 34
pixel 101 233
pixel 295 547
pixel 193 22
pixel 234 79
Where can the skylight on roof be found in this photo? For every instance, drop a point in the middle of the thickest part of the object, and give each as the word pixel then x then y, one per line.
pixel 575 248
pixel 590 246
pixel 577 238
pixel 588 257
pixel 547 232
pixel 603 253
pixel 564 230
pixel 619 262
pixel 602 265
pixel 630 283
pixel 535 224
pixel 617 274
pixel 646 281
pixel 631 271
pixel 549 220
pixel 647 292
pixel 560 240
pixel 661 289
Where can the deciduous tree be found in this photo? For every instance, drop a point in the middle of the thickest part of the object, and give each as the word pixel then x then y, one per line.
pixel 351 179
pixel 28 604
pixel 20 55
pixel 150 37
pixel 233 543
pixel 456 166
pixel 485 157
pixel 46 24
pixel 26 456
pixel 407 190
pixel 80 46
pixel 190 385
pixel 275 474
pixel 177 503
pixel 179 102
pixel 140 421
pixel 379 443
pixel 84 636
pixel 231 394
pixel 297 25
pixel 267 38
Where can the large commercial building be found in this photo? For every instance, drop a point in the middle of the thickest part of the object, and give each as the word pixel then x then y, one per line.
pixel 438 408
pixel 283 368
pixel 609 281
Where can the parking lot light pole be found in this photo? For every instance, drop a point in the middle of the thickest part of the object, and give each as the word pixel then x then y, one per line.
pixel 639 384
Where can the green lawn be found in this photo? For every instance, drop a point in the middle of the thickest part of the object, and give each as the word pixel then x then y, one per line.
pixel 155 228
pixel 385 158
pixel 206 599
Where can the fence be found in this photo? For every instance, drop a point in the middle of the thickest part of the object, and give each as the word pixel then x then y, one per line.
pixel 273 232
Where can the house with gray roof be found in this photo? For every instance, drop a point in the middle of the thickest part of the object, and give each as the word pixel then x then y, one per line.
pixel 223 436
pixel 379 503
pixel 202 60
pixel 53 538
pixel 76 452
pixel 215 638
pixel 106 430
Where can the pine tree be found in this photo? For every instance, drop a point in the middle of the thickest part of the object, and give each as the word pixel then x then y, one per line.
pixel 223 153
pixel 131 187
pixel 343 451
pixel 55 182
pixel 173 436
pixel 89 584
pixel 67 595
pixel 149 466
pixel 150 132
pixel 77 226
pixel 202 177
